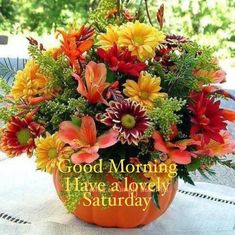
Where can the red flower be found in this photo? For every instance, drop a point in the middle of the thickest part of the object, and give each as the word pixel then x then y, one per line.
pixel 207 117
pixel 128 118
pixel 19 135
pixel 121 60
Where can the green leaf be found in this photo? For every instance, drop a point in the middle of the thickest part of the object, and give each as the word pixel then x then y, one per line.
pixel 76 120
pixel 155 199
pixel 110 76
pixel 184 174
pixel 194 165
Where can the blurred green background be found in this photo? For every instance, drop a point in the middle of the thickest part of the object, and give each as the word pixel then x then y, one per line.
pixel 211 22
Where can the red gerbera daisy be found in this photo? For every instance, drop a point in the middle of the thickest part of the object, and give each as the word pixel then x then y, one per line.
pixel 208 119
pixel 18 137
pixel 128 118
pixel 121 60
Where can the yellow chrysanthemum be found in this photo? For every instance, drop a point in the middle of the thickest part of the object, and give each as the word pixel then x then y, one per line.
pixel 145 91
pixel 49 151
pixel 29 82
pixel 165 172
pixel 141 39
pixel 106 40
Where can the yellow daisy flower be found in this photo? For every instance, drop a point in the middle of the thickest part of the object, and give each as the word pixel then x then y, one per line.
pixel 106 40
pixel 145 91
pixel 29 82
pixel 49 151
pixel 141 39
pixel 164 174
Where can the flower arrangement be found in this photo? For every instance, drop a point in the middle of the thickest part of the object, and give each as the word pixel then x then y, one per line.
pixel 121 89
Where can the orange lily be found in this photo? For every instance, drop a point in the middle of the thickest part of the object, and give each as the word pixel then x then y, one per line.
pixel 84 138
pixel 95 77
pixel 176 151
pixel 214 148
pixel 218 90
pixel 75 43
pixel 229 115
pixel 218 76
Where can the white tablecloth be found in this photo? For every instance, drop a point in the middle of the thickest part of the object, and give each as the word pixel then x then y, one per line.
pixel 29 206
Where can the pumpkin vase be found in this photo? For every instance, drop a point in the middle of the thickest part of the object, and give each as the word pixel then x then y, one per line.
pixel 121 216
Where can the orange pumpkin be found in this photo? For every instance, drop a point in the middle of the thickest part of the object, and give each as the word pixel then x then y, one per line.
pixel 121 216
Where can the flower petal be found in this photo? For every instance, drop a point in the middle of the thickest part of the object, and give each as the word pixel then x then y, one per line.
pixel 83 157
pixel 159 143
pixel 180 157
pixel 69 132
pixel 88 130
pixel 108 139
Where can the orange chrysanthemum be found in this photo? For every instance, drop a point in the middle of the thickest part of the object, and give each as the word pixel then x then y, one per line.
pixel 30 83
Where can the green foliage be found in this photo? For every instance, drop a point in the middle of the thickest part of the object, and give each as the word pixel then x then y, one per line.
pixel 184 174
pixel 58 70
pixel 194 165
pixel 53 112
pixel 5 88
pixel 164 114
pixel 76 192
pixel 179 81
pixel 98 17
pixel 155 198
pixel 7 112
pixel 226 162
pixel 7 109
pixel 209 22
pixel 43 16
pixel 7 14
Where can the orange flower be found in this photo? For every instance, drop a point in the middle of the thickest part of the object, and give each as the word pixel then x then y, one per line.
pixel 75 43
pixel 214 148
pixel 229 115
pixel 218 76
pixel 94 86
pixel 84 138
pixel 217 90
pixel 176 151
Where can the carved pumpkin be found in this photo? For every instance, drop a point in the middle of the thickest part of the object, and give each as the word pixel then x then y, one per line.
pixel 121 216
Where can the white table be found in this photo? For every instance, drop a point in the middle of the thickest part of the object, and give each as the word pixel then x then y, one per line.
pixel 29 205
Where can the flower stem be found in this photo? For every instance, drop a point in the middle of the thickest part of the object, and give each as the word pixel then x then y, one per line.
pixel 147 10
pixel 118 7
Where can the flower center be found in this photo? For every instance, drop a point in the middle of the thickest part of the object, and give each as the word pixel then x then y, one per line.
pixel 52 153
pixel 144 95
pixel 138 40
pixel 128 121
pixel 23 136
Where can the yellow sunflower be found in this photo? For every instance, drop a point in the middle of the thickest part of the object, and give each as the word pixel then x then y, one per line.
pixel 165 173
pixel 29 82
pixel 141 39
pixel 145 91
pixel 106 40
pixel 49 151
